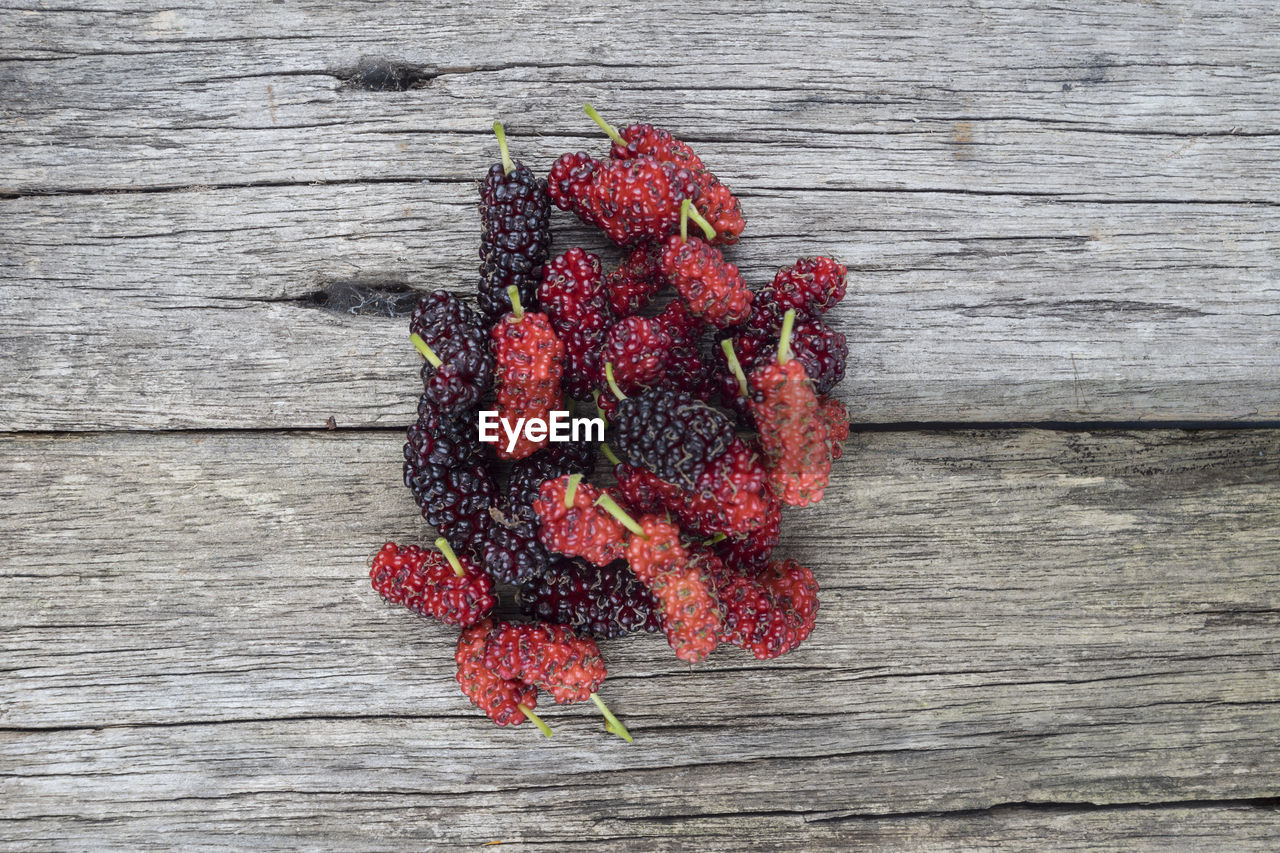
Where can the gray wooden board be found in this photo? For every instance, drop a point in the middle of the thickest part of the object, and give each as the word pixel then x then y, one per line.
pixel 1017 627
pixel 1048 216
pixel 1029 639
pixel 192 309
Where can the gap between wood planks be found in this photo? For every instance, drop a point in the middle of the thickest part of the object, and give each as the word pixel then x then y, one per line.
pixel 855 427
pixel 10 194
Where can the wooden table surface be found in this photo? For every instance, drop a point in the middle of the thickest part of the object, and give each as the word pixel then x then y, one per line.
pixel 1051 602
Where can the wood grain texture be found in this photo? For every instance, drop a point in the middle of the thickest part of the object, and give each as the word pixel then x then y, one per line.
pixel 1029 639
pixel 198 309
pixel 1020 626
pixel 1047 216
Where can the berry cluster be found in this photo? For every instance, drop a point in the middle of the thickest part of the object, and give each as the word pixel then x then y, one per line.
pixel 684 543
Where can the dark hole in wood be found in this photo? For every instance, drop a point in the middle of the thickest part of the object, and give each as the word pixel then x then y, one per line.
pixel 377 298
pixel 380 75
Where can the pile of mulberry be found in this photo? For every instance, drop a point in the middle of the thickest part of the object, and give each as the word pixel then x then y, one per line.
pixel 662 338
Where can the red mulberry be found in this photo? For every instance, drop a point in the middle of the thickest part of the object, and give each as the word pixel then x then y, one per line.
pixel 793 432
pixel 573 297
pixel 812 286
pixel 689 610
pixel 709 285
pixel 637 279
pixel 569 182
pixel 433 583
pixel 837 419
pixel 506 702
pixel 551 657
pixel 638 348
pixel 571 524
pixel 690 614
pixel 529 368
pixel 770 615
pixel 730 498
pixel 714 200
pixel 513 552
pixel 631 200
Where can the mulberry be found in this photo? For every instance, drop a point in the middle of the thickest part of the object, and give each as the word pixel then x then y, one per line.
pixel 555 659
pixel 506 702
pixel 455 343
pixel 433 583
pixel 709 285
pixel 773 614
pixel 551 657
pixel 812 286
pixel 672 434
pixel 571 524
pixel 793 433
pixel 823 352
pixel 631 200
pixel 714 200
pixel 749 554
pixel 573 297
pixel 515 218
pixel 529 368
pixel 569 182
pixel 636 280
pixel 687 606
pixel 638 348
pixel 836 417
pixel 731 497
pixel 606 601
pixel 690 611
pixel 513 552
pixel 449 479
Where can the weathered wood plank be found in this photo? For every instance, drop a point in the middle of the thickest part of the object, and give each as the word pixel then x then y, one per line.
pixel 195 309
pixel 1138 102
pixel 1087 233
pixel 1008 617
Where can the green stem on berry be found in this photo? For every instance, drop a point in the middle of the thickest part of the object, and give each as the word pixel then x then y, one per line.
pixel 534 718
pixel 507 165
pixel 784 340
pixel 421 346
pixel 611 507
pixel 610 455
pixel 443 545
pixel 612 723
pixel 513 293
pixel 687 212
pixel 571 490
pixel 735 366
pixel 613 386
pixel 595 397
pixel 604 125
pixel 719 537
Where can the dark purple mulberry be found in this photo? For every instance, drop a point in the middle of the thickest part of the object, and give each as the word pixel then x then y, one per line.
pixel 449 479
pixel 822 350
pixel 459 366
pixel 671 433
pixel 515 218
pixel 603 602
